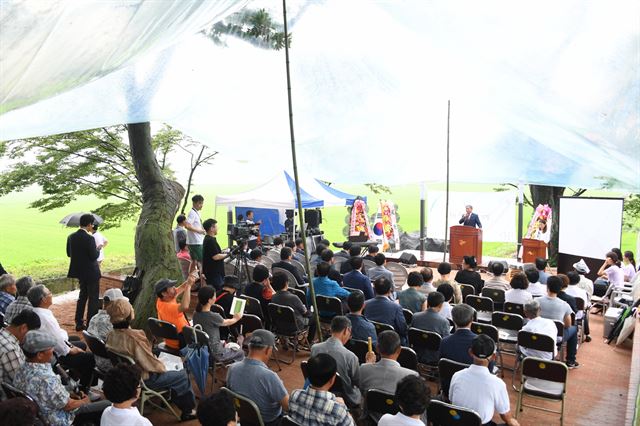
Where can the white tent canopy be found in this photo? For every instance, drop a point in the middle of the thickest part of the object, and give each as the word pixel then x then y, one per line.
pixel 543 93
pixel 279 193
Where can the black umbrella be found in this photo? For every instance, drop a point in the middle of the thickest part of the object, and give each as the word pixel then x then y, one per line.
pixel 73 219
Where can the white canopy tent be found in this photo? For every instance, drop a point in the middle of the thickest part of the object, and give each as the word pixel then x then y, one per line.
pixel 544 93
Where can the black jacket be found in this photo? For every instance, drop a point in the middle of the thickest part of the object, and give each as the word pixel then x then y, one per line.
pixel 81 248
pixel 289 267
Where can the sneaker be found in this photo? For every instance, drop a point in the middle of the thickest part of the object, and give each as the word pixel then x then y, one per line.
pixel 572 365
pixel 587 338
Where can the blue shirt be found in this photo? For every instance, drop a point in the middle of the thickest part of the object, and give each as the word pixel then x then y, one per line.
pixel 456 346
pixel 358 280
pixel 362 329
pixel 326 287
pixel 543 277
pixel 381 309
pixel 5 300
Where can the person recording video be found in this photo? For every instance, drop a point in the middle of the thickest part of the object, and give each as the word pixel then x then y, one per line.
pixel 470 218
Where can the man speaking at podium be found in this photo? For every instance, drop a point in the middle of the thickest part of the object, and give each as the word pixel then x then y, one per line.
pixel 470 218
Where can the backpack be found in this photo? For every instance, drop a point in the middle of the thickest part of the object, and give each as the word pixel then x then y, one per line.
pixel 132 285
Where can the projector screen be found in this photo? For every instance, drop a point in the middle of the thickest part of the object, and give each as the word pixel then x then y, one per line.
pixel 589 227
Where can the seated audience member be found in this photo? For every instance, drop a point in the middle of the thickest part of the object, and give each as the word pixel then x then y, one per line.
pixel 538 325
pixel 518 293
pixel 385 374
pixel 71 354
pixel 535 287
pixel 334 273
pixel 580 267
pixel 553 308
pixel 346 267
pixel 611 275
pixel 18 412
pixel 183 253
pixel 278 244
pixel 382 309
pixel 300 247
pixel 324 286
pixel 456 346
pixel 36 378
pixel 575 291
pixel 260 288
pixel 11 337
pixel 361 328
pixel 344 252
pixel 379 270
pixel 133 343
pixel 427 278
pixel 541 266
pixel 22 285
pixel 217 410
pixel 170 310
pixel 298 253
pixel 256 255
pixel 347 361
pixel 411 298
pixel 284 297
pixel 100 324
pixel 316 405
pixel 285 263
pixel 315 257
pixel 122 387
pixel 469 275
pixel 230 287
pixel 412 395
pixel 372 250
pixel 356 279
pixel 444 269
pixel 571 301
pixel 8 291
pixel 628 266
pixel 431 320
pixel 497 281
pixel 465 385
pixel 447 291
pixel 211 323
pixel 253 379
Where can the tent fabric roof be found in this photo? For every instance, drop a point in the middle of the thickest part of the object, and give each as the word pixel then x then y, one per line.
pixel 542 94
pixel 280 193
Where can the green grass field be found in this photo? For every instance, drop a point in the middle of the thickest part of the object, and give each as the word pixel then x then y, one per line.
pixel 33 243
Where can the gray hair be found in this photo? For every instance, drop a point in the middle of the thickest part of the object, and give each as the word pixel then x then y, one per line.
pixel 532 308
pixel 36 294
pixel 462 315
pixel 468 206
pixel 6 280
pixel 388 342
pixel 24 284
pixel 340 323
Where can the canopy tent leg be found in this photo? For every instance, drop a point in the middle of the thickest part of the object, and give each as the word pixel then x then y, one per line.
pixel 446 209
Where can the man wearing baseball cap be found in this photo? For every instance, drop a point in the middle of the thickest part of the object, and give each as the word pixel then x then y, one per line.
pixel 463 390
pixel 170 310
pixel 36 378
pixel 585 283
pixel 254 380
pixel 100 324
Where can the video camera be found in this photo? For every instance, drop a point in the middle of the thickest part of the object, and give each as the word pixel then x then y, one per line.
pixel 241 231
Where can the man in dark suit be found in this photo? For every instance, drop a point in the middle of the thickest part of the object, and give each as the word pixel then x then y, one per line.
pixel 356 279
pixel 470 218
pixel 382 309
pixel 285 263
pixel 456 346
pixel 81 248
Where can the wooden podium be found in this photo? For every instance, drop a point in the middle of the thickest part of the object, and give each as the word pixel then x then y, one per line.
pixel 533 248
pixel 465 241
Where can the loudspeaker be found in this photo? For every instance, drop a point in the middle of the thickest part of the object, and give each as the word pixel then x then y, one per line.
pixel 408 259
pixel 313 218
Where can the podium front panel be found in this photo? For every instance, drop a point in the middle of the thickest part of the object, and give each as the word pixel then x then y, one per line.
pixel 465 241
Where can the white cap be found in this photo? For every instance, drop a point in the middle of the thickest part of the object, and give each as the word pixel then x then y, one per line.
pixel 581 267
pixel 113 294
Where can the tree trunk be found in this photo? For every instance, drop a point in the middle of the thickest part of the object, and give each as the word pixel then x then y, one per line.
pixel 155 253
pixel 541 194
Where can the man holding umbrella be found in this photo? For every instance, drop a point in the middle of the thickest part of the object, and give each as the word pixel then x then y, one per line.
pixel 81 248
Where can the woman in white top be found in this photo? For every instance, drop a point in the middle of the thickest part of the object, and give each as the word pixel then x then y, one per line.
pixel 101 243
pixel 412 395
pixel 122 387
pixel 611 270
pixel 518 293
pixel 629 266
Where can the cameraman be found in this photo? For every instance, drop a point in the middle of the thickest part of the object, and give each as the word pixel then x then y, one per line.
pixel 212 255
pixel 255 229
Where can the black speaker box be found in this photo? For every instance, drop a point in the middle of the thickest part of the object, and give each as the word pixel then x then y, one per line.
pixel 408 259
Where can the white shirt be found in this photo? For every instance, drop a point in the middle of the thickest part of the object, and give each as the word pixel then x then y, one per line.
pixel 193 219
pixel 615 275
pixel 112 416
pixel 518 295
pixel 537 289
pixel 399 420
pixel 629 272
pixel 575 291
pixel 587 285
pixel 544 326
pixel 446 310
pixel 100 240
pixel 464 391
pixel 50 325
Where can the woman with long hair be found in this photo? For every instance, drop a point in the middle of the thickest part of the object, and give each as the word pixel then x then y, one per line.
pixel 629 266
pixel 611 273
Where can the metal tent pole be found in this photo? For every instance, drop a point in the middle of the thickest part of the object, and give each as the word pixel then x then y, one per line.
pixel 446 209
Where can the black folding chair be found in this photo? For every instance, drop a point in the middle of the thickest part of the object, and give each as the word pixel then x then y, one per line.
pixel 283 322
pixel 252 306
pixel 380 327
pixel 508 326
pixel 491 331
pixel 496 295
pixel 359 348
pixel 288 421
pixel 247 410
pixel 408 316
pixel 482 305
pixel 545 380
pixel 446 369
pixel 12 392
pixel 197 336
pixel 420 341
pixel 301 295
pixel 329 308
pixel 467 289
pixel 560 339
pixel 378 403
pixel 443 414
pixel 408 358
pixel 97 348
pixel 163 330
pixel 248 324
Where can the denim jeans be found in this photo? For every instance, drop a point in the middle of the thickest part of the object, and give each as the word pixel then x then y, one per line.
pixel 570 337
pixel 181 392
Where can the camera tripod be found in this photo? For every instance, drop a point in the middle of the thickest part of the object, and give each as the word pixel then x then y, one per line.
pixel 240 263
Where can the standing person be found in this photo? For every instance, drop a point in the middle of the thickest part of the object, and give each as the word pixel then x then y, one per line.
pixel 211 255
pixel 82 249
pixel 253 239
pixel 101 241
pixel 180 232
pixel 470 218
pixel 195 231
